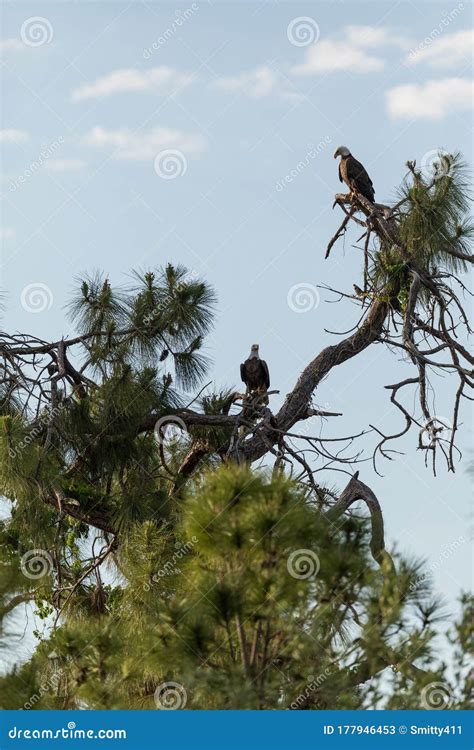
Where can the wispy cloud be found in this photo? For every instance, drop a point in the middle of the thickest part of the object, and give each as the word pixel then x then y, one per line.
pixel 357 50
pixel 11 45
pixel 444 51
pixel 162 80
pixel 330 56
pixel 432 100
pixel 374 36
pixel 65 165
pixel 257 84
pixel 145 144
pixel 11 135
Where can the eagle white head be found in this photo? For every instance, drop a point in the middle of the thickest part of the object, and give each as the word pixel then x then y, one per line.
pixel 342 151
pixel 254 352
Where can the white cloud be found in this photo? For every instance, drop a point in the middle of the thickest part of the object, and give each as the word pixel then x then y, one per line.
pixel 328 55
pixel 444 51
pixel 353 52
pixel 7 233
pixel 258 83
pixel 11 45
pixel 145 144
pixel 162 80
pixel 11 135
pixel 65 165
pixel 373 36
pixel 432 100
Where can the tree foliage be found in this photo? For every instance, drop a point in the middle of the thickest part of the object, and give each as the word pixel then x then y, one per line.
pixel 253 600
pixel 158 552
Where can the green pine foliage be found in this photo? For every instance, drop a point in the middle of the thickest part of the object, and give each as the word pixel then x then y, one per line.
pixel 141 351
pixel 154 560
pixel 432 222
pixel 246 597
pixel 432 225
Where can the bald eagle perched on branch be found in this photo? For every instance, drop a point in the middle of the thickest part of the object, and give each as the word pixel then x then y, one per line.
pixel 255 375
pixel 354 174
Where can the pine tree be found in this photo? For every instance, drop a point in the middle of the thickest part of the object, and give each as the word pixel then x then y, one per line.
pixel 169 569
pixel 253 599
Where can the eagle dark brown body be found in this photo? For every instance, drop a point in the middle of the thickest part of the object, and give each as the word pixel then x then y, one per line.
pixel 353 173
pixel 254 373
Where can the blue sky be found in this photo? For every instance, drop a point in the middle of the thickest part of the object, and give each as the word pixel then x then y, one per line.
pixel 251 99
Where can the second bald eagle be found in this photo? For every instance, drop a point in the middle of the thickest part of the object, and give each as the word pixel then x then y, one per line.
pixel 353 174
pixel 255 375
